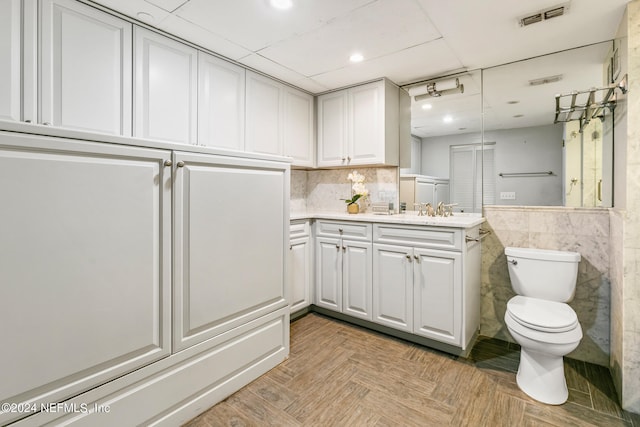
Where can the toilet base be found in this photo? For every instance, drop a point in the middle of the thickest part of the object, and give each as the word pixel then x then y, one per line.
pixel 541 376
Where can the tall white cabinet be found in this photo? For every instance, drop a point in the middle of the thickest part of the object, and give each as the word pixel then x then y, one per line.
pixel 165 88
pixel 216 240
pixel 85 265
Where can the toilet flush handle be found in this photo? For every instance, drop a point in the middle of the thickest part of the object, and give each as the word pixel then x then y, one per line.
pixel 513 261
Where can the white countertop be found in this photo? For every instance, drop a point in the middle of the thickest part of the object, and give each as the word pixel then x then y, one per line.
pixel 459 220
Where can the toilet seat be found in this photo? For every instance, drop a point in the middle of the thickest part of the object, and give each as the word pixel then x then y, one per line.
pixel 542 315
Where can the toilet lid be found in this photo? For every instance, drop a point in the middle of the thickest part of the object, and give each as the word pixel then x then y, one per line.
pixel 542 315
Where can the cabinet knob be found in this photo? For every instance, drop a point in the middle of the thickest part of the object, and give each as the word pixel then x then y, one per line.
pixel 338 247
pixel 344 249
pixel 180 164
pixel 343 159
pixel 340 230
pixel 46 124
pixel 408 257
pixel 168 162
pixel 290 247
pixel 417 258
pixel 27 121
pixel 348 158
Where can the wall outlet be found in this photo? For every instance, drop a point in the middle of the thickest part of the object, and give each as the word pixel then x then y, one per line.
pixel 507 195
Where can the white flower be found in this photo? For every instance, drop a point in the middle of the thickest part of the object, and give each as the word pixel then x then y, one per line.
pixel 359 188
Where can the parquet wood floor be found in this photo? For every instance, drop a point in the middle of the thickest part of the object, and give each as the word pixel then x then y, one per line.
pixel 343 375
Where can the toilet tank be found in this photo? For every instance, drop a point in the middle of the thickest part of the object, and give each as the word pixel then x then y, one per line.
pixel 543 273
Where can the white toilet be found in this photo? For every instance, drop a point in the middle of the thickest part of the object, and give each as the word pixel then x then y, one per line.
pixel 539 319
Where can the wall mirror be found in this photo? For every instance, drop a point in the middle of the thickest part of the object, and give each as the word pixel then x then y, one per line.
pixel 506 140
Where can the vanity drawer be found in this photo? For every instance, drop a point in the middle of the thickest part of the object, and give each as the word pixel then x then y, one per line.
pixel 419 236
pixel 299 228
pixel 347 230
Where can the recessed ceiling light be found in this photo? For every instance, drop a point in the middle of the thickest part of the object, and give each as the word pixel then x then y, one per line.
pixel 281 4
pixel 427 106
pixel 447 119
pixel 356 57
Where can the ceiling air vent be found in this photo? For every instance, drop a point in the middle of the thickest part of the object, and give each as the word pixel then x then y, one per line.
pixel 543 15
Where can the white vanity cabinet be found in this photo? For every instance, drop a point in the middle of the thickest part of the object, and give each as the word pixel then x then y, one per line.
pixel 85 265
pixel 427 281
pixel 343 253
pixel 165 88
pixel 65 64
pixel 359 126
pixel 221 99
pixel 300 265
pixel 229 264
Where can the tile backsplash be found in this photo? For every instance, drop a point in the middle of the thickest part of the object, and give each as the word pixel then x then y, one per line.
pixel 326 190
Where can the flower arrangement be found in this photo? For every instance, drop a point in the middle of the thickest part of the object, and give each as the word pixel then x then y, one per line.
pixel 358 190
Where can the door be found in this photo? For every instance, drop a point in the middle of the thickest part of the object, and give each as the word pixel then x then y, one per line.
pixel 228 262
pixel 221 87
pixel 85 68
pixel 10 59
pixel 438 299
pixel 332 129
pixel 328 273
pixel 367 121
pixel 393 286
pixel 85 264
pixel 166 85
pixel 357 259
pixel 298 127
pixel 264 115
pixel 299 273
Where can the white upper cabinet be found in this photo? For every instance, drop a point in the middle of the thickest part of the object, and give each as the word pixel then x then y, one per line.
pixel 65 64
pixel 359 126
pixel 299 127
pixel 264 115
pixel 280 120
pixel 165 88
pixel 85 68
pixel 221 86
pixel 10 63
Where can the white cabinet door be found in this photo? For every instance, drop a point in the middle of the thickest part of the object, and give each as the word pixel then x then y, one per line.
pixel 298 127
pixel 356 292
pixel 328 273
pixel 165 100
pixel 393 286
pixel 228 262
pixel 438 299
pixel 366 118
pixel 425 192
pixel 221 86
pixel 299 273
pixel 10 59
pixel 332 129
pixel 264 103
pixel 85 68
pixel 85 264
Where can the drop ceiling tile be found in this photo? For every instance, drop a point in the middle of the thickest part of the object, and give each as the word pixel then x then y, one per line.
pixel 409 65
pixel 379 29
pixel 485 34
pixel 200 36
pixel 168 5
pixel 152 14
pixel 277 71
pixel 254 25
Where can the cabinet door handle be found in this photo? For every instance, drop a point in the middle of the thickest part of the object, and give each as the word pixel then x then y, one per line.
pixel 344 249
pixel 338 247
pixel 27 121
pixel 417 258
pixel 168 162
pixel 408 257
pixel 180 164
pixel 46 124
pixel 290 247
pixel 348 158
pixel 340 230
